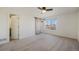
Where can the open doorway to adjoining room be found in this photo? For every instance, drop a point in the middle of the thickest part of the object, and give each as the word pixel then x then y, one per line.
pixel 13 27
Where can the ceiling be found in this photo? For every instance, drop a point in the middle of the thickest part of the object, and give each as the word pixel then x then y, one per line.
pixel 58 11
pixel 35 12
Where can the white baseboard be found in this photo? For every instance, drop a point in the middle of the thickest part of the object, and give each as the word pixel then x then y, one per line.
pixel 62 36
pixel 3 42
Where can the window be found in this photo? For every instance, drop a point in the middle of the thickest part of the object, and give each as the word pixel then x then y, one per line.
pixel 50 23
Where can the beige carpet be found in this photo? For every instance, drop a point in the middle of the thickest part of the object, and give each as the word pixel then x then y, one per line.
pixel 42 42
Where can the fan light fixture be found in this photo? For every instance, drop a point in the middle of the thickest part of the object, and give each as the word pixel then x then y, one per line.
pixel 43 11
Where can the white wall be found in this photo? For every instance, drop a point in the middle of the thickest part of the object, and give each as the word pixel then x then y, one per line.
pixel 26 22
pixel 27 26
pixel 66 26
pixel 78 26
pixel 4 27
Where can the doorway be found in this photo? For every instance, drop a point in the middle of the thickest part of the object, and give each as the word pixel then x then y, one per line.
pixel 38 25
pixel 14 27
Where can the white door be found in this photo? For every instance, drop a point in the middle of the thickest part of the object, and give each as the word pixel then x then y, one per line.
pixel 14 27
pixel 38 26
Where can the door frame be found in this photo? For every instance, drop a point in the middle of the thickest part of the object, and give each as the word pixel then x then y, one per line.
pixel 36 24
pixel 10 15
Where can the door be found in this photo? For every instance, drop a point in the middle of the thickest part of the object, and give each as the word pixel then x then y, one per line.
pixel 38 26
pixel 14 27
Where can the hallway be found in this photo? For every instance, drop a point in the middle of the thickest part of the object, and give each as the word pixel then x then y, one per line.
pixel 42 42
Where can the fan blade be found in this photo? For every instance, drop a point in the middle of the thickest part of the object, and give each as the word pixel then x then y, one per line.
pixel 40 8
pixel 49 9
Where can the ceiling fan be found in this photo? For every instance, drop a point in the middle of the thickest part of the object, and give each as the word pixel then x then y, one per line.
pixel 44 9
